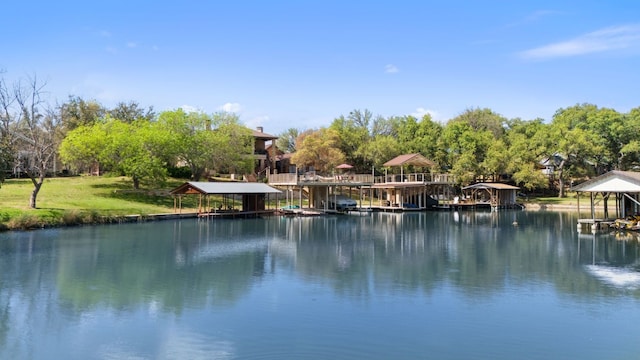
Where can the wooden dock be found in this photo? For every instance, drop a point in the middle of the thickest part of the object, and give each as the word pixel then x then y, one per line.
pixel 594 224
pixel 236 214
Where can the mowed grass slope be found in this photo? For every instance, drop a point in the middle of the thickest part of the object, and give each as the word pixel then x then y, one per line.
pixel 82 199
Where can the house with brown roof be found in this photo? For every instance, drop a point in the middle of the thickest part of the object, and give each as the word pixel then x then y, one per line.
pixel 263 142
pixel 282 160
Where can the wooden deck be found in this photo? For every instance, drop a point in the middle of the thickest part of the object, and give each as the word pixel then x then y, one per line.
pixel 237 214
pixel 595 224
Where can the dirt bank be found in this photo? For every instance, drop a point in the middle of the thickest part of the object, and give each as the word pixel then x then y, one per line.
pixel 565 207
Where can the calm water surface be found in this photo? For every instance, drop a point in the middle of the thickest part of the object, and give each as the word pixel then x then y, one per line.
pixel 382 286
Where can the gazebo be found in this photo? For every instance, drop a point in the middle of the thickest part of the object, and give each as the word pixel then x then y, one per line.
pixel 408 159
pixel 405 191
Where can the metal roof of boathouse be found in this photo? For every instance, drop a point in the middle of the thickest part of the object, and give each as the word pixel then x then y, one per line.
pixel 615 181
pixel 206 188
pixel 487 185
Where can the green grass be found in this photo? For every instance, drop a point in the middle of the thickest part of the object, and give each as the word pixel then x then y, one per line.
pixel 570 199
pixel 82 199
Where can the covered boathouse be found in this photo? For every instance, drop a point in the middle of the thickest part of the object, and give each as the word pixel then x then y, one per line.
pixel 253 198
pixel 625 188
pixel 409 191
pixel 489 194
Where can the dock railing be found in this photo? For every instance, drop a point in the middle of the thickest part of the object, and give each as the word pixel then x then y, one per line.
pixel 313 177
pixel 283 179
pixel 415 178
pixel 294 179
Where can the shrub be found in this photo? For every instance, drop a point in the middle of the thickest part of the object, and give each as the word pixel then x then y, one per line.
pixel 181 172
pixel 25 222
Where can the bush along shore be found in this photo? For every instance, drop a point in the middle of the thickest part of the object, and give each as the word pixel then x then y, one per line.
pixel 26 221
pixel 31 221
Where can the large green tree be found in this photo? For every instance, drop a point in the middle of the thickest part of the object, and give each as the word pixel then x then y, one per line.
pixel 318 149
pixel 137 149
pixel 83 146
pixel 287 140
pixel 131 111
pixel 418 136
pixel 381 149
pixel 528 143
pixel 610 130
pixel 574 143
pixel 234 144
pixel 466 140
pixel 630 151
pixel 77 111
pixel 353 134
pixel 190 140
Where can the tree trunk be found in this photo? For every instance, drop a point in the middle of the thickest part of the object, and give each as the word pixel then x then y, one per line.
pixel 136 182
pixel 561 179
pixel 561 193
pixel 196 173
pixel 37 184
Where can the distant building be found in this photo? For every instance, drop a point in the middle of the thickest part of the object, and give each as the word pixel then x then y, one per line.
pixel 282 160
pixel 264 161
pixel 548 165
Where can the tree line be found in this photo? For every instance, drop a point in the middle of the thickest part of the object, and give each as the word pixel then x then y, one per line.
pixel 579 142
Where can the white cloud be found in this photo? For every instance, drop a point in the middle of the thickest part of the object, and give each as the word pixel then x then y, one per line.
pixel 189 108
pixel 98 86
pixel 537 15
pixel 391 69
pixel 533 17
pixel 230 107
pixel 132 45
pixel 420 112
pixel 256 121
pixel 607 39
pixel 105 33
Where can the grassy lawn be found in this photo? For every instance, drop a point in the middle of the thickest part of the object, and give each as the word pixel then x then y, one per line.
pixel 570 199
pixel 82 199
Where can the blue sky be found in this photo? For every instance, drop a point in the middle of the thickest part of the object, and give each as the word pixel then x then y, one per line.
pixel 282 64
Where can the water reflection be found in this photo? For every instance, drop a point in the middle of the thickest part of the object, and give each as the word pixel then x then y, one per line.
pixel 215 262
pixel 91 283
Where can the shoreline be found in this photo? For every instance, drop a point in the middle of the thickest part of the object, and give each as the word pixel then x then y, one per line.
pixel 184 215
pixel 564 207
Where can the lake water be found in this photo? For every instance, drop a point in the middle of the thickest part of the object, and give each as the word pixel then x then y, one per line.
pixel 433 285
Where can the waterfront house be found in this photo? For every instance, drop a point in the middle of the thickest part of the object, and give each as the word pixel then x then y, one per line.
pixel 264 161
